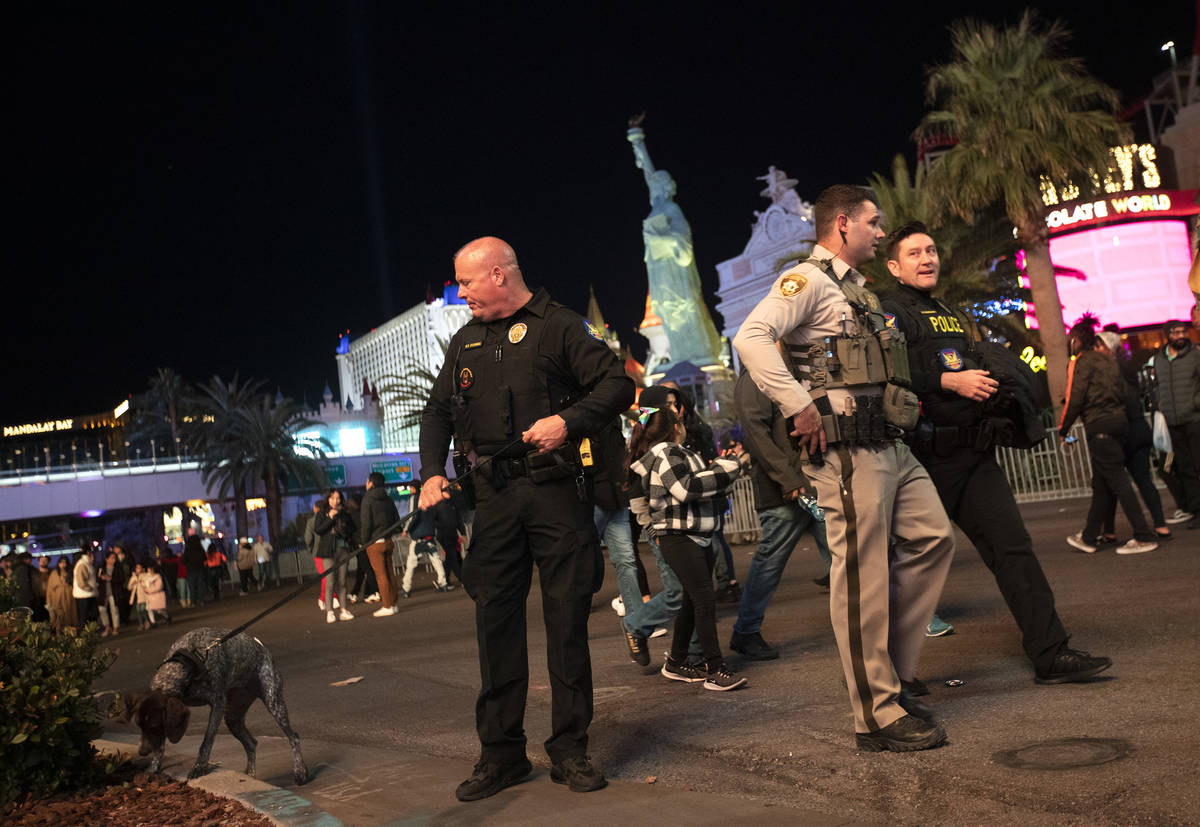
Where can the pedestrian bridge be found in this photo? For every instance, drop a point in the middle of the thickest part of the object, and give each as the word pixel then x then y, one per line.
pixel 96 488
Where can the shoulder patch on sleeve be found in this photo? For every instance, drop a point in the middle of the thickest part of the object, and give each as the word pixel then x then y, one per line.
pixel 791 284
pixel 592 330
pixel 889 320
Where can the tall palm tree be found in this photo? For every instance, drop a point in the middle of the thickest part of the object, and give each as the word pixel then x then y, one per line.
pixel 260 445
pixel 1019 109
pixel 157 413
pixel 409 390
pixel 207 435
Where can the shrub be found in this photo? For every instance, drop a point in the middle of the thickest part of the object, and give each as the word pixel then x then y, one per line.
pixel 47 716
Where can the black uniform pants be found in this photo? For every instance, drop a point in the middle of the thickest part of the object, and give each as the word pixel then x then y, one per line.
pixel 1185 440
pixel 517 524
pixel 977 497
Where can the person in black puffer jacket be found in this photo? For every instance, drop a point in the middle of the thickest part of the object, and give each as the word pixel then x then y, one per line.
pixel 1095 394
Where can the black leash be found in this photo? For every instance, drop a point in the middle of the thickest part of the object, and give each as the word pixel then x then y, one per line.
pixel 387 532
pixel 390 530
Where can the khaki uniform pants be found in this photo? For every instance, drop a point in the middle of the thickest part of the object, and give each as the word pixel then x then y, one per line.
pixel 881 599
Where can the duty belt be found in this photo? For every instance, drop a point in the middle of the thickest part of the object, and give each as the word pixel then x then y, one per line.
pixel 537 467
pixel 946 439
pixel 865 426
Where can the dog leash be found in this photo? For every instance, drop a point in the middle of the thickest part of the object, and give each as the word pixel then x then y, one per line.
pixel 387 532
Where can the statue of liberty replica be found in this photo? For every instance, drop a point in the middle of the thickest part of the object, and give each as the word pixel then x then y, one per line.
pixel 675 291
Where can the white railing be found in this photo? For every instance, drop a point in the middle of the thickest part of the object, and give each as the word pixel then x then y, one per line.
pixel 1048 471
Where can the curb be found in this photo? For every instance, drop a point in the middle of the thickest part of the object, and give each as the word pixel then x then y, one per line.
pixel 282 807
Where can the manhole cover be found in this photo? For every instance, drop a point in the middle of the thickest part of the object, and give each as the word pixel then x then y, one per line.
pixel 1064 754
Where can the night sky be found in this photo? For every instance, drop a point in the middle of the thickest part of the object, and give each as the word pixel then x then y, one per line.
pixel 227 187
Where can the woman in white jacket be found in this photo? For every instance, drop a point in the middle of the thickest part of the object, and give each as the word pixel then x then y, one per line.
pixel 84 588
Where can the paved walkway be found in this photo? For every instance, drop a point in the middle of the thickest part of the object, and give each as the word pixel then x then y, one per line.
pixel 370 786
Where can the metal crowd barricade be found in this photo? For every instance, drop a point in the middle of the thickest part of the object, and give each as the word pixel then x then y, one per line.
pixel 741 521
pixel 1048 471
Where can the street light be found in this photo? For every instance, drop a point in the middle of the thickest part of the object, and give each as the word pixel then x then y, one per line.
pixel 1169 46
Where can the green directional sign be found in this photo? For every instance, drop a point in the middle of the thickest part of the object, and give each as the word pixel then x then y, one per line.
pixel 394 471
pixel 337 475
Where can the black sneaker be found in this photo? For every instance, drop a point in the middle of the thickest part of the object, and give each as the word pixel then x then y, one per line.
pixel 1070 666
pixel 909 703
pixel 906 734
pixel 722 680
pixel 753 646
pixel 578 774
pixel 639 653
pixel 490 778
pixel 916 687
pixel 687 672
pixel 822 583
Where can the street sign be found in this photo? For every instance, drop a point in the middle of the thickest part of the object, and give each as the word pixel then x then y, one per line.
pixel 337 475
pixel 394 471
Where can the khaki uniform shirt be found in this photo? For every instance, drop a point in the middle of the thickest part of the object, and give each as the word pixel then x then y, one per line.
pixel 804 306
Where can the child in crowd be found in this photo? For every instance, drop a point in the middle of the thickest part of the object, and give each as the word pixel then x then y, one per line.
pixel 137 595
pixel 676 496
pixel 155 592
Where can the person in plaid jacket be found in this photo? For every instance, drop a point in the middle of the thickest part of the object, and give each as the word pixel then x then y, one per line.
pixel 677 496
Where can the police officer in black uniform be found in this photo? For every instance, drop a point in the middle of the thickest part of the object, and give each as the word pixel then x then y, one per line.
pixel 955 441
pixel 523 381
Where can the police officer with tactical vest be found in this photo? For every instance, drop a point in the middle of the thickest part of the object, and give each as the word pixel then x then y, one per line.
pixel 522 383
pixel 840 374
pixel 966 412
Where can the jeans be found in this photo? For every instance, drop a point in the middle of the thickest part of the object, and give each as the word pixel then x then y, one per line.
pixel 196 586
pixel 268 570
pixel 782 526
pixel 640 618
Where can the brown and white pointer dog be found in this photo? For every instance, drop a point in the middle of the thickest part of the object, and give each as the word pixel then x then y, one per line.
pixel 228 678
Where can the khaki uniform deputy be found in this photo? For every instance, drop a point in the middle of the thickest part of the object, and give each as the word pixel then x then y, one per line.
pixel 871 487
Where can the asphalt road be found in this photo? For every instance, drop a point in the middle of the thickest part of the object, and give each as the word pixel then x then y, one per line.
pixel 787 739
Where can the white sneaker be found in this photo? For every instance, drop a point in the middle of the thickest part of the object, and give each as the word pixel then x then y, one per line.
pixel 321 604
pixel 330 617
pixel 336 605
pixel 1136 547
pixel 372 598
pixel 353 598
pixel 384 612
pixel 345 615
pixel 1180 516
pixel 618 606
pixel 659 632
pixel 1078 542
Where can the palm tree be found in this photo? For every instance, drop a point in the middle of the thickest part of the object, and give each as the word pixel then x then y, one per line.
pixel 158 412
pixel 410 390
pixel 261 445
pixel 977 258
pixel 1018 110
pixel 207 434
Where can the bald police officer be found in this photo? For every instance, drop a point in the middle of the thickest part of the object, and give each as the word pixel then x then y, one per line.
pixel 523 380
pixel 956 442
pixel 839 374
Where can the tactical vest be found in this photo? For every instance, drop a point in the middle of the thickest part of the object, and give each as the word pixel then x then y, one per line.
pixel 943 342
pixel 504 382
pixel 875 356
